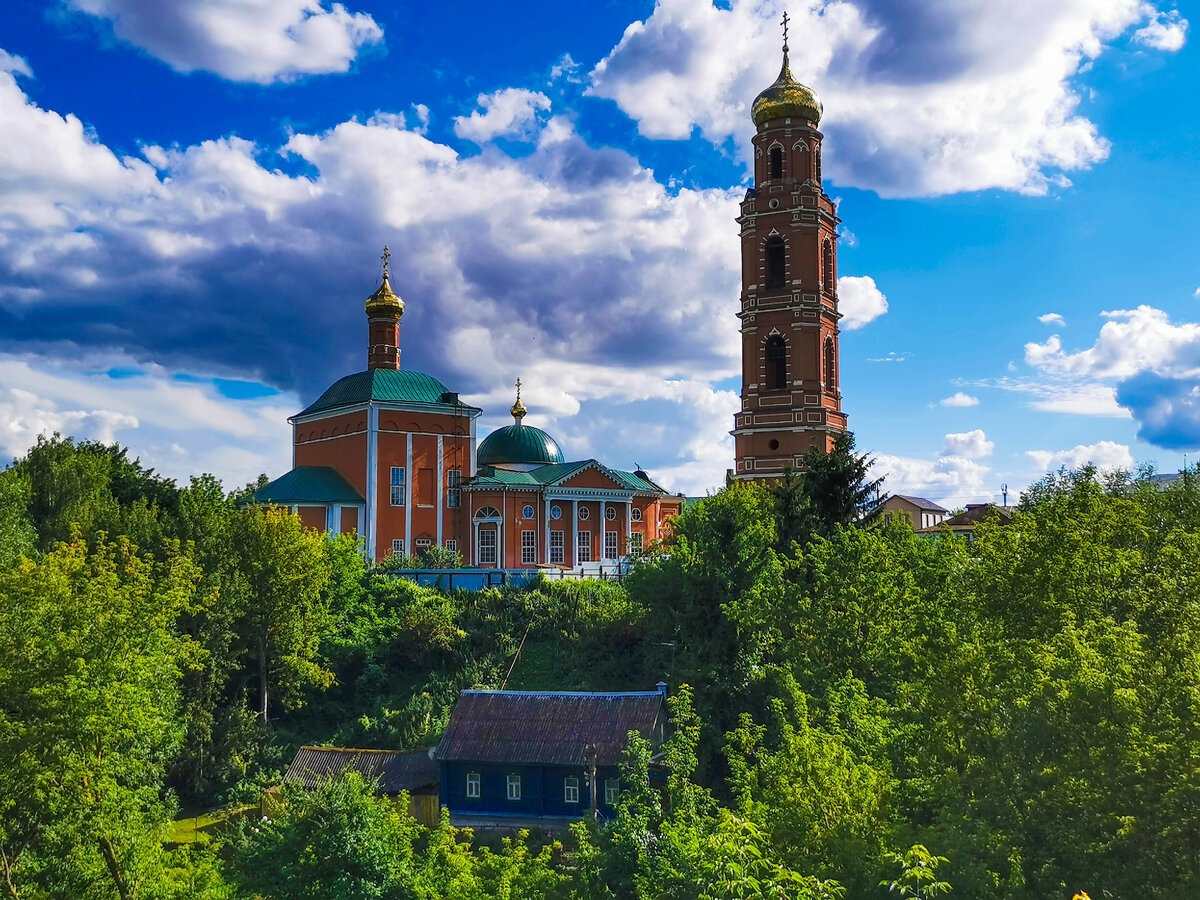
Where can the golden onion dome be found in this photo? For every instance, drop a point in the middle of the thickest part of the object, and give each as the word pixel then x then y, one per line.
pixel 518 409
pixel 786 99
pixel 385 302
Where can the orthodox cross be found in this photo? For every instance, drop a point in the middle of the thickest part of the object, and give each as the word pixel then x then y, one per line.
pixel 386 256
pixel 518 390
pixel 785 31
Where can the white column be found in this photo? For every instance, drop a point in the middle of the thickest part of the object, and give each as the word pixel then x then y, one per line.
pixel 546 529
pixel 575 533
pixel 408 497
pixel 441 498
pixel 474 557
pixel 331 518
pixel 603 529
pixel 628 523
pixel 372 499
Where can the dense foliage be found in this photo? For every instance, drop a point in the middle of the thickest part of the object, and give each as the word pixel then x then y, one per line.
pixel 870 713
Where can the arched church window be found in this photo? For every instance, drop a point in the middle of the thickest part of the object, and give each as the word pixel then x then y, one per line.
pixel 776 162
pixel 776 364
pixel 828 280
pixel 488 512
pixel 816 151
pixel 830 366
pixel 776 263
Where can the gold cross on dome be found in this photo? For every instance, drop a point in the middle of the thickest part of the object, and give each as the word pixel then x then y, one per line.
pixel 518 390
pixel 386 256
pixel 785 30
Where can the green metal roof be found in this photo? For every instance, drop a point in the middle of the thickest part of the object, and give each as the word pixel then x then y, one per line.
pixel 308 484
pixel 518 444
pixel 549 474
pixel 383 384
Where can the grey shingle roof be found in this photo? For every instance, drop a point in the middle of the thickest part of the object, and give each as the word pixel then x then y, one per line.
pixel 921 502
pixel 547 728
pixel 393 770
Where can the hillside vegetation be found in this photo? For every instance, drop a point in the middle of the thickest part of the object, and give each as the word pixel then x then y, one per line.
pixel 857 711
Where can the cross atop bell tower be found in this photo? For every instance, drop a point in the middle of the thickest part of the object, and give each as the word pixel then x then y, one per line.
pixel 789 309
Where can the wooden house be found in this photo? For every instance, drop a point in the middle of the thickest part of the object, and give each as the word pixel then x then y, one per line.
pixel 391 771
pixel 538 754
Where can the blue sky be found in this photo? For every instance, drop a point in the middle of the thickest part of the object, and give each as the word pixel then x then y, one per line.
pixel 193 199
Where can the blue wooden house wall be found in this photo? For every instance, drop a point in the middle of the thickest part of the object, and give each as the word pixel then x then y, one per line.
pixel 542 790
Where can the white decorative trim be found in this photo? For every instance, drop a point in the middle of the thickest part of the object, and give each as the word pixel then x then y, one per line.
pixel 441 488
pixel 408 493
pixel 371 500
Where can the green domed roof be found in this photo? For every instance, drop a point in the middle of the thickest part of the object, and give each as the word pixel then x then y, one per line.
pixel 518 444
pixel 382 384
pixel 786 99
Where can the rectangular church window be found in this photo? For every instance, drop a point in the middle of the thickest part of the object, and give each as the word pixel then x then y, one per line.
pixel 556 547
pixel 397 486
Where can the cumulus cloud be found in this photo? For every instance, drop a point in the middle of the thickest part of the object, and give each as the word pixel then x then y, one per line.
pixel 1102 454
pixel 510 112
pixel 1165 31
pixel 967 445
pixel 572 266
pixel 261 41
pixel 860 300
pixel 921 98
pixel 1052 319
pixel 178 426
pixel 1084 398
pixel 958 398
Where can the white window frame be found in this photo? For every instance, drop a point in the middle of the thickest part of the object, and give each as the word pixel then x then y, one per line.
pixel 452 545
pixel 514 787
pixel 397 546
pixel 571 789
pixel 634 543
pixel 612 542
pixel 473 785
pixel 558 546
pixel 612 791
pixel 423 542
pixel 556 512
pixel 398 486
pixel 584 514
pixel 489 546
pixel 635 514
pixel 610 513
pixel 529 547
pixel 583 546
pixel 453 481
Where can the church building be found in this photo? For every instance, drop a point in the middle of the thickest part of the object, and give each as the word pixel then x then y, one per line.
pixel 391 454
pixel 789 307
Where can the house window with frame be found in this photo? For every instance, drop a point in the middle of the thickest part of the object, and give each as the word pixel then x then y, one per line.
pixel 584 546
pixel 610 513
pixel 514 787
pixel 635 514
pixel 584 514
pixel 571 789
pixel 397 547
pixel 610 545
pixel 473 785
pixel 612 791
pixel 635 543
pixel 557 543
pixel 487 546
pixel 452 545
pixel 397 484
pixel 453 481
pixel 528 548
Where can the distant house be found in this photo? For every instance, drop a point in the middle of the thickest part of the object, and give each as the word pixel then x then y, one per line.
pixel 919 512
pixel 531 754
pixel 392 772
pixel 963 524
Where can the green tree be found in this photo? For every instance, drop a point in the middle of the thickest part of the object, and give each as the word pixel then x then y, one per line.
pixel 838 488
pixel 17 534
pixel 89 673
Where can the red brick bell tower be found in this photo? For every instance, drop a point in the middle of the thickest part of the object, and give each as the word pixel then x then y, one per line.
pixel 384 309
pixel 789 311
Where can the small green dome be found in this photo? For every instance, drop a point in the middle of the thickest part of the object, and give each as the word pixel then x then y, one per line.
pixel 786 99
pixel 518 444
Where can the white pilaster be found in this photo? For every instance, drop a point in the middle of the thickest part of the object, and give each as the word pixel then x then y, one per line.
pixel 575 533
pixel 441 495
pixel 372 498
pixel 408 497
pixel 603 529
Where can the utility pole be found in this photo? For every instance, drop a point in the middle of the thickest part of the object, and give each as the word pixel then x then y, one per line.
pixel 591 759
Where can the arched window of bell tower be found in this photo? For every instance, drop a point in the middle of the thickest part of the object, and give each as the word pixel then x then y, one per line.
pixel 830 366
pixel 776 363
pixel 775 161
pixel 828 278
pixel 816 152
pixel 776 261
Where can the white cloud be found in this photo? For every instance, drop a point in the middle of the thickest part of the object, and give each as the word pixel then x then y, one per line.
pixel 260 41
pixel 510 112
pixel 1085 398
pixel 892 357
pixel 1052 319
pixel 14 64
pixel 1102 454
pixel 922 98
pixel 1166 31
pixel 960 399
pixel 1133 340
pixel 860 301
pixel 967 445
pixel 179 427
